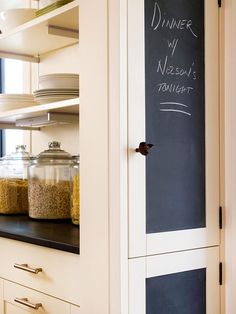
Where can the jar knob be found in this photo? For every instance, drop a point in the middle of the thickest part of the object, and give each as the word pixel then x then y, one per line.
pixel 20 148
pixel 54 145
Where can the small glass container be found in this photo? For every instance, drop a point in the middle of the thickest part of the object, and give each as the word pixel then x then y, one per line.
pixel 75 201
pixel 50 184
pixel 14 181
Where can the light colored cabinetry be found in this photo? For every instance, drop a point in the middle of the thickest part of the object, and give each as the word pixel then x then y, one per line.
pixel 90 287
pixel 59 276
pixel 150 119
pixel 28 300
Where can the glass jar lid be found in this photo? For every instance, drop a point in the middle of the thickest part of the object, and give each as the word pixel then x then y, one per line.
pixel 19 154
pixel 54 152
pixel 76 159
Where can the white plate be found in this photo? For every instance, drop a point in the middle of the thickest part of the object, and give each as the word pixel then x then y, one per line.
pixel 59 81
pixel 59 75
pixel 45 100
pixel 56 95
pixel 56 90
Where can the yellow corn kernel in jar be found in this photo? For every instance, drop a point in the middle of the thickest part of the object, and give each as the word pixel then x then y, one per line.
pixel 75 210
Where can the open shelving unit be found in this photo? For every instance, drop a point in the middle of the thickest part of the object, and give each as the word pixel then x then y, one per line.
pixel 27 42
pixel 56 29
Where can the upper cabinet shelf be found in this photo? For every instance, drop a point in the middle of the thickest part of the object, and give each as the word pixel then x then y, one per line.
pixel 54 30
pixel 62 111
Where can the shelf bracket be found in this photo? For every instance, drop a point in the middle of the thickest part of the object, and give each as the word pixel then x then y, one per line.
pixel 62 31
pixel 18 56
pixel 48 119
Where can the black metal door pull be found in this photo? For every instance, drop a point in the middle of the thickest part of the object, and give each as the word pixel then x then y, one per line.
pixel 144 148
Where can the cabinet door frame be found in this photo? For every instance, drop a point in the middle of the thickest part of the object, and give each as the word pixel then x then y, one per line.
pixel 158 265
pixel 140 243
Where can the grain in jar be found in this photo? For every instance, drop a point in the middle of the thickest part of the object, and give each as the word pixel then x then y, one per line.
pixel 75 202
pixel 14 181
pixel 50 184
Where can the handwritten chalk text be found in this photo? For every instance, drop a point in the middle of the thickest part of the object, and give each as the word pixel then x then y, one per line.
pixel 158 21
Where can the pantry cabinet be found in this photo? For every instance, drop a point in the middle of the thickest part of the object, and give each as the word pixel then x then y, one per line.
pixel 174 190
pixel 134 244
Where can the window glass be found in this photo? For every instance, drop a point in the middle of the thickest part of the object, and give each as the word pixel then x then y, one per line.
pixel 13 84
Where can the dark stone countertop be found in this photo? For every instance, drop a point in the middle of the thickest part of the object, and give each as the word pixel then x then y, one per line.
pixel 60 235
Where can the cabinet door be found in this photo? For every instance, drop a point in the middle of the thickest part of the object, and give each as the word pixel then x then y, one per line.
pixel 185 282
pixel 173 104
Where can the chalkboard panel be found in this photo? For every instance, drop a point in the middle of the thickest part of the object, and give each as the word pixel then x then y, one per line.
pixel 180 293
pixel 175 114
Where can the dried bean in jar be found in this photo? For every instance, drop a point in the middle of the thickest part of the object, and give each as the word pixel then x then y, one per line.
pixel 49 200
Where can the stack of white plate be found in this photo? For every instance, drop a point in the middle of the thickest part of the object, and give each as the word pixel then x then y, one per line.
pixel 57 87
pixel 16 101
pixel 59 80
pixel 44 96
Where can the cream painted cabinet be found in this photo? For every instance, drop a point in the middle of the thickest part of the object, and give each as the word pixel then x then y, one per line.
pixel 75 310
pixel 27 300
pixel 174 186
pixel 1 297
pixel 173 157
pixel 183 282
pixel 12 309
pixel 50 42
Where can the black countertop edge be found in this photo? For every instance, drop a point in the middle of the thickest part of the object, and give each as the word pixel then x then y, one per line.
pixel 42 242
pixel 60 235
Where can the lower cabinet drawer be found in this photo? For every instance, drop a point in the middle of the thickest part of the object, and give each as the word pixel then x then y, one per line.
pixel 12 309
pixel 18 299
pixel 59 275
pixel 75 310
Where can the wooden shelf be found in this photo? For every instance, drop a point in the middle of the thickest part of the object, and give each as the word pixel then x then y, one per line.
pixel 51 31
pixel 8 118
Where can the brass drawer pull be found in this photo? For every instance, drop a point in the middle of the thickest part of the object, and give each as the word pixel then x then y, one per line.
pixel 24 301
pixel 25 267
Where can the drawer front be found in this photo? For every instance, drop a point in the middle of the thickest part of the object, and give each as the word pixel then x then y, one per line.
pixel 75 310
pixel 60 275
pixel 49 305
pixel 12 309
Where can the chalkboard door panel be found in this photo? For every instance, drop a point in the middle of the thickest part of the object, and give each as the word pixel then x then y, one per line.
pixel 173 104
pixel 189 285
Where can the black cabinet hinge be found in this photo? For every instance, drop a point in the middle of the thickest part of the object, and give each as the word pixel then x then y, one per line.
pixel 220 217
pixel 220 274
pixel 219 3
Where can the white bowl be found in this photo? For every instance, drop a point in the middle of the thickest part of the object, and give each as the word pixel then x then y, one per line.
pixel 12 18
pixel 60 80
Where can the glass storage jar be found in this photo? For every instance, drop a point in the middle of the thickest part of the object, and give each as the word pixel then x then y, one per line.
pixel 14 182
pixel 75 201
pixel 50 184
